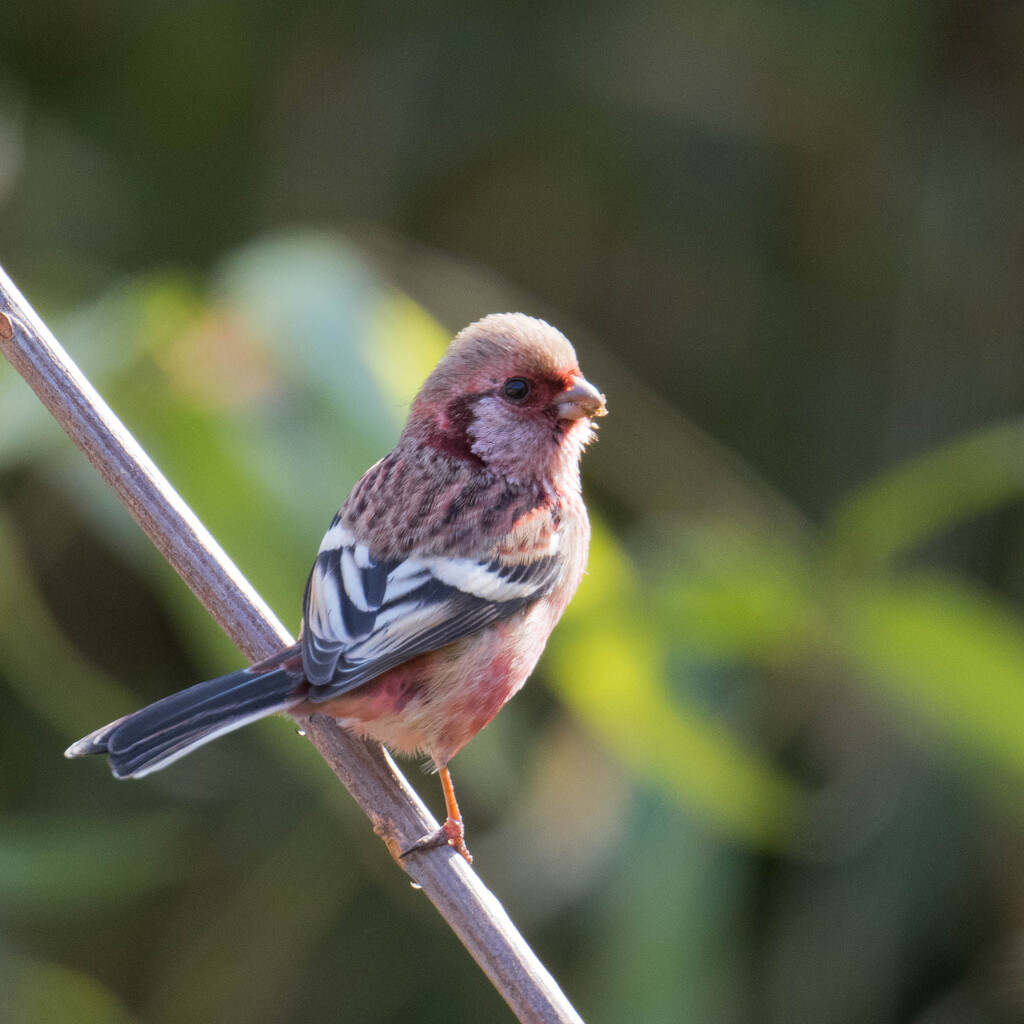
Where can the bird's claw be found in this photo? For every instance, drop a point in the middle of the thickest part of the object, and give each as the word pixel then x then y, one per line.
pixel 452 833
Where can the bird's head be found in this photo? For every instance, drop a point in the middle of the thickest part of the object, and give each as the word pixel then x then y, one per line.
pixel 509 395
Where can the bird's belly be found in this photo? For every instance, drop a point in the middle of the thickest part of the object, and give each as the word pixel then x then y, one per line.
pixel 435 703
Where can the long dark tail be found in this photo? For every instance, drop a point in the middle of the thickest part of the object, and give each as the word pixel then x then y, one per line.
pixel 152 738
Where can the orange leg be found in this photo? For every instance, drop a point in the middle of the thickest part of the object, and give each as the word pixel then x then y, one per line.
pixel 452 832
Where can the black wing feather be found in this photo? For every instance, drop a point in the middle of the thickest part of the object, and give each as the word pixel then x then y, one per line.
pixel 399 609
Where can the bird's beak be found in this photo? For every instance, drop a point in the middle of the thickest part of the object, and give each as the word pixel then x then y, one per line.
pixel 582 399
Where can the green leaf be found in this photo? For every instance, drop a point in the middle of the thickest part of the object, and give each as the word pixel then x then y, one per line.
pixel 608 662
pixel 918 500
pixel 741 596
pixel 44 993
pixel 949 658
pixel 86 862
pixel 40 665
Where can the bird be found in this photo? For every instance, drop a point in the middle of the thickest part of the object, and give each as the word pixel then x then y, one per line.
pixel 437 583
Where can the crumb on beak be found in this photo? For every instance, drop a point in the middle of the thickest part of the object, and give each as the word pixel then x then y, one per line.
pixel 579 400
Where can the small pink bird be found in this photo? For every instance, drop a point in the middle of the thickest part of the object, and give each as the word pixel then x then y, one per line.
pixel 438 582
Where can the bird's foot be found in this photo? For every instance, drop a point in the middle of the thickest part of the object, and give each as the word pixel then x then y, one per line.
pixel 452 833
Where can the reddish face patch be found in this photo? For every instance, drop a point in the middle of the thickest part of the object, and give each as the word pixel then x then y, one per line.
pixel 450 432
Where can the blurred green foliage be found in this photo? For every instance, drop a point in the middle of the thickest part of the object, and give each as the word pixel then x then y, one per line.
pixel 770 768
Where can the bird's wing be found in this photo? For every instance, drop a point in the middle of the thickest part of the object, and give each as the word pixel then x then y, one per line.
pixel 362 617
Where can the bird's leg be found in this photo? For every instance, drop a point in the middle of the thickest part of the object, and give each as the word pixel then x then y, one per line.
pixel 452 832
pixel 453 826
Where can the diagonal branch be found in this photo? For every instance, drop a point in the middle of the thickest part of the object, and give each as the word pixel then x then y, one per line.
pixel 399 817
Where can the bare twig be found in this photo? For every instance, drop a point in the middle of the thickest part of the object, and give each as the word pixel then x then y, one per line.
pixel 371 776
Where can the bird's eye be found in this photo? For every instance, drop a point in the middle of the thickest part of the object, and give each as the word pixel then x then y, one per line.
pixel 516 388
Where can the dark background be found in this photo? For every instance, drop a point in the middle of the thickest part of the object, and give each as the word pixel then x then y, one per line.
pixel 770 768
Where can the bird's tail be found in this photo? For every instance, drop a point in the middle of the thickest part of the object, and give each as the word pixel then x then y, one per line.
pixel 152 738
